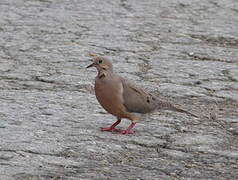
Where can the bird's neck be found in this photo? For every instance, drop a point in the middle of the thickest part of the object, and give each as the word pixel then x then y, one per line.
pixel 104 73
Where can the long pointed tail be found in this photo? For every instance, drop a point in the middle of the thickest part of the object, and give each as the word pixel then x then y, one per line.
pixel 162 104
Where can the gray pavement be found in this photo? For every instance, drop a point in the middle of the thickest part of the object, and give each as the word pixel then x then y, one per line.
pixel 186 51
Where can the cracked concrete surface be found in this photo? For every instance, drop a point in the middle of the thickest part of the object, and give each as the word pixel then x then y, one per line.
pixel 49 117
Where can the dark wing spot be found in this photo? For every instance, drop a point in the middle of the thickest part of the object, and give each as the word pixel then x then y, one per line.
pixel 148 99
pixel 152 97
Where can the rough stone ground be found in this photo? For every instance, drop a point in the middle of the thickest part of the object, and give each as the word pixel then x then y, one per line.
pixel 49 117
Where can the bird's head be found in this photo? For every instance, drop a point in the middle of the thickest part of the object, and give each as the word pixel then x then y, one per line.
pixel 101 63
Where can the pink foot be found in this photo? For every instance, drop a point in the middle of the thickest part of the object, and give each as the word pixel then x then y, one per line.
pixel 129 131
pixel 112 128
pixel 126 132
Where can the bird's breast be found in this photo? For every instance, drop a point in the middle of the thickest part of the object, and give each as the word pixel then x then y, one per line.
pixel 109 95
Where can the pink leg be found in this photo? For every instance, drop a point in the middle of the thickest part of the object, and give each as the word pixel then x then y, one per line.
pixel 112 128
pixel 128 131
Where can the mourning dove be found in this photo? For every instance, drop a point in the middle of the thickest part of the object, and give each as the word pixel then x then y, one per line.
pixel 122 98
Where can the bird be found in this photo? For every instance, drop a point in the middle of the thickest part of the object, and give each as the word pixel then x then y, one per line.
pixel 123 98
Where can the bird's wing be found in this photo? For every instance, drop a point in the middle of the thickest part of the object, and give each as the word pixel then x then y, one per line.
pixel 136 99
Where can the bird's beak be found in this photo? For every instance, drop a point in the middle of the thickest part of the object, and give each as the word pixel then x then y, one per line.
pixel 91 65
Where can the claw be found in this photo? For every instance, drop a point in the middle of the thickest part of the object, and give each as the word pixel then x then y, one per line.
pixel 110 129
pixel 126 132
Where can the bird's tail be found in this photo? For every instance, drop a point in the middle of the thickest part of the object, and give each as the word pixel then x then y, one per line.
pixel 166 105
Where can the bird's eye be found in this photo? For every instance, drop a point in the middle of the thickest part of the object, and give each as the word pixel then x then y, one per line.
pixel 100 61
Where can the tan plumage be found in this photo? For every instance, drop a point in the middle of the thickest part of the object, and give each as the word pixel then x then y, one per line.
pixel 122 98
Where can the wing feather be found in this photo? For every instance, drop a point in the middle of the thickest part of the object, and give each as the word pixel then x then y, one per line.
pixel 137 99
